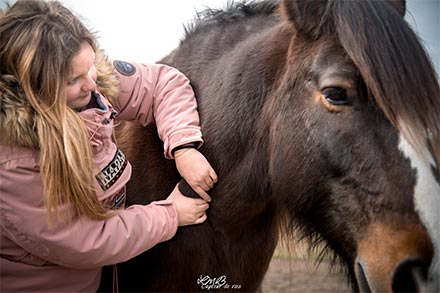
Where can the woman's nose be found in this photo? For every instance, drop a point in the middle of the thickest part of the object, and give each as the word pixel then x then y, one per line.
pixel 90 84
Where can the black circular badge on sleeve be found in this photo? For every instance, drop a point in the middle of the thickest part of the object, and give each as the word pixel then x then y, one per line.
pixel 124 68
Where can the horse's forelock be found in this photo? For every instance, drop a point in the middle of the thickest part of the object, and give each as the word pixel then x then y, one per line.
pixel 396 69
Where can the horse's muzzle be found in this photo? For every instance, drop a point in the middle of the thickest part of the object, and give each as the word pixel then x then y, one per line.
pixel 394 259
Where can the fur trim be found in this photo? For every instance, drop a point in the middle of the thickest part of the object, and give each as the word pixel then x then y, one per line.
pixel 106 82
pixel 17 127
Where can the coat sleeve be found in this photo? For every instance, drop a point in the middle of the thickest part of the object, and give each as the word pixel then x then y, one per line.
pixel 161 95
pixel 82 243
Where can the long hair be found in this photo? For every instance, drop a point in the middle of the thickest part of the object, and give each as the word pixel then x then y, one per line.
pixel 39 40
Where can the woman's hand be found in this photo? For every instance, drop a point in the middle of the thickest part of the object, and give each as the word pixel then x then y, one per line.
pixel 190 211
pixel 196 170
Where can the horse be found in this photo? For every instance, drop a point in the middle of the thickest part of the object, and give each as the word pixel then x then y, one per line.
pixel 321 119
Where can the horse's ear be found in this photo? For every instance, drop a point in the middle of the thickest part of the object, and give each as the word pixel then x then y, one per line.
pixel 309 17
pixel 399 5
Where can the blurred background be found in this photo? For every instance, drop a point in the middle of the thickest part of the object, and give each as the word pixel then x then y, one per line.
pixel 147 30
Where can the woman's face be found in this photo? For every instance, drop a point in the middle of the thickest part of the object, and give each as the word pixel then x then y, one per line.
pixel 82 78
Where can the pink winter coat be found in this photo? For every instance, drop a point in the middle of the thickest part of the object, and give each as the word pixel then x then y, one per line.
pixel 69 257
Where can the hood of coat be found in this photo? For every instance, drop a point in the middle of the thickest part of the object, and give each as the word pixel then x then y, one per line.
pixel 17 116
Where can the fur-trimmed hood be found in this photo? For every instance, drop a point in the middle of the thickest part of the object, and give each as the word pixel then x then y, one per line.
pixel 17 125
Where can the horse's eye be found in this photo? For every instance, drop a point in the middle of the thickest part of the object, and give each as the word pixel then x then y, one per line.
pixel 335 96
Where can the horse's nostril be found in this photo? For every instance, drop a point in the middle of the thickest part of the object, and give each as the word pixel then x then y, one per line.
pixel 409 276
pixel 362 279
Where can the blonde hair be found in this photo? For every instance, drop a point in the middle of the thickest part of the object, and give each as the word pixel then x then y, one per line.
pixel 39 40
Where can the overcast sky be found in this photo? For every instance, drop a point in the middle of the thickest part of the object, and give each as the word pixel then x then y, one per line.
pixel 139 30
pixel 147 30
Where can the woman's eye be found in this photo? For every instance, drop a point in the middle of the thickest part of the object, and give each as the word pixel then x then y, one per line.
pixel 71 82
pixel 336 96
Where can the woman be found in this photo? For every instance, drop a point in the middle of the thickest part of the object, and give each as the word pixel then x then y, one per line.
pixel 62 176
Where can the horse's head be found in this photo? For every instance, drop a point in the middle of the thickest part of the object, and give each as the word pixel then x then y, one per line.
pixel 365 146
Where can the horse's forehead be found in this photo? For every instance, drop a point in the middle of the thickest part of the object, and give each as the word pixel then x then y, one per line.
pixel 330 58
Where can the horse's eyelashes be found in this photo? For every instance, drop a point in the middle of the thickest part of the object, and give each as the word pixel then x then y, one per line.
pixel 336 96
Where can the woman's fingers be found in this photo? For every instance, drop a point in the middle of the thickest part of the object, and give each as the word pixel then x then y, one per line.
pixel 213 175
pixel 202 193
pixel 200 211
pixel 204 185
pixel 202 219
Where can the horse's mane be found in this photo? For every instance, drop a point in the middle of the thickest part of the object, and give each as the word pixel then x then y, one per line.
pixel 396 69
pixel 233 11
